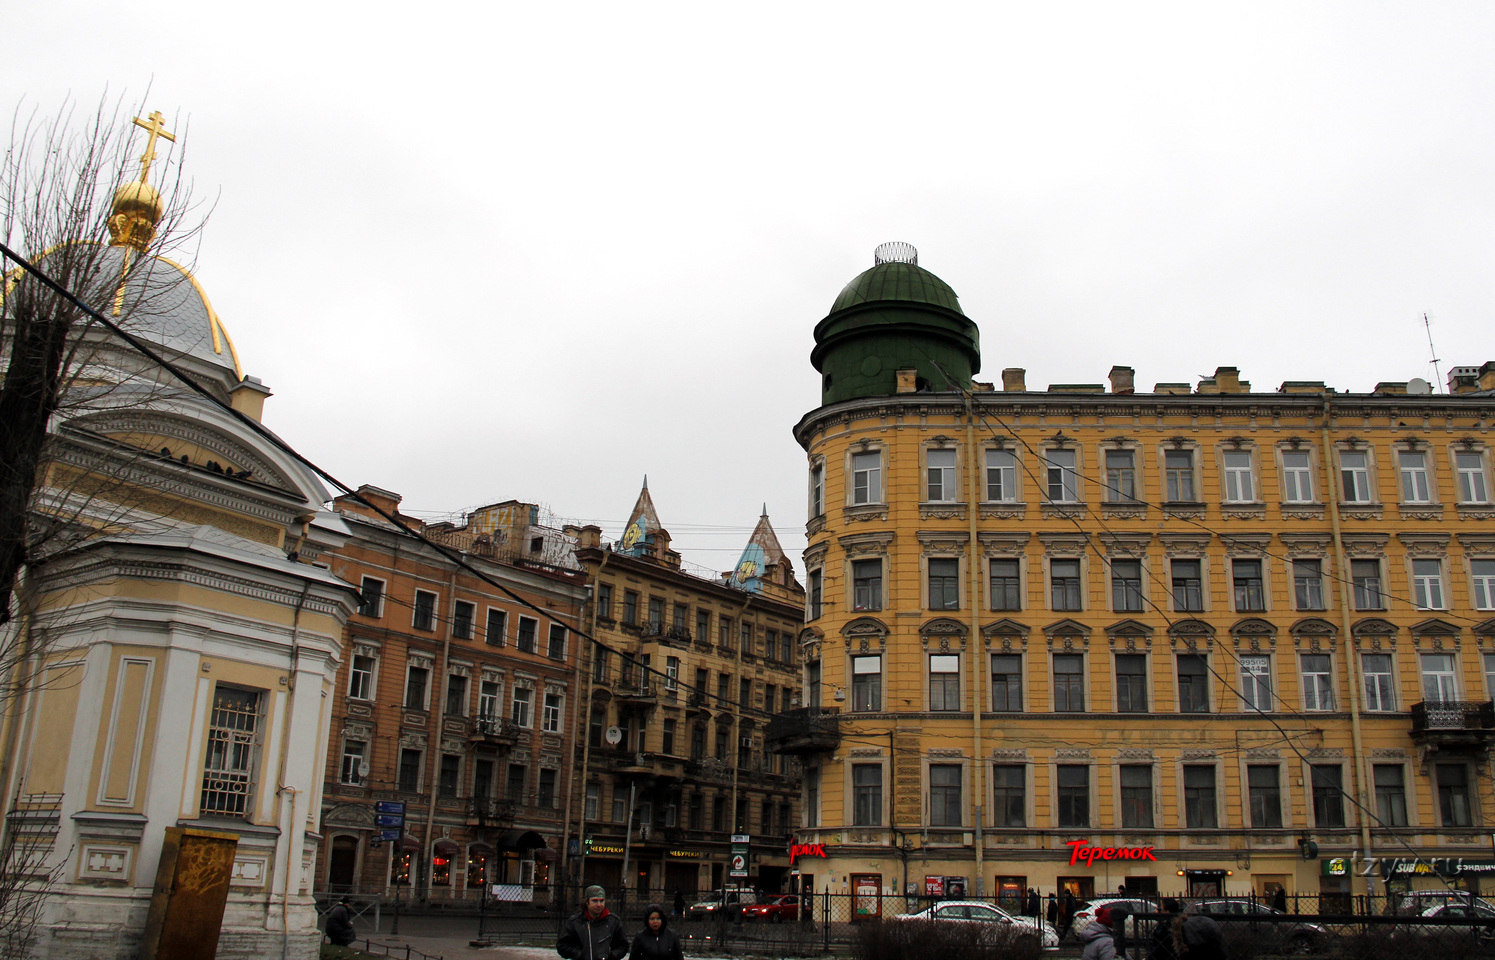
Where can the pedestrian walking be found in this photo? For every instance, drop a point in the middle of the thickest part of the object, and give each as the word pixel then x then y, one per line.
pixel 339 927
pixel 1030 909
pixel 656 941
pixel 1099 942
pixel 679 904
pixel 593 933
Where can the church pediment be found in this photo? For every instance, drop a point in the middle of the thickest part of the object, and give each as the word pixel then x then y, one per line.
pixel 192 442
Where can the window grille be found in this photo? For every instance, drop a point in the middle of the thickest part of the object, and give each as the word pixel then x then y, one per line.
pixel 233 747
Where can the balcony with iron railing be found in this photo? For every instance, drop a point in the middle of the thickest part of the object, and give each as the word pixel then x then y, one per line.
pixel 1445 725
pixel 804 731
pixel 494 731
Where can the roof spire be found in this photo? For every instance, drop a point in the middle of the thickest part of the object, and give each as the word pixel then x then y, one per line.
pixel 137 206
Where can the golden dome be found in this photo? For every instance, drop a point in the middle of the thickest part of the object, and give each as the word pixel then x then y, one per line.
pixel 133 217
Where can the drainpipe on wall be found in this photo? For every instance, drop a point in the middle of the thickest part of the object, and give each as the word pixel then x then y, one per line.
pixel 434 749
pixel 584 724
pixel 1352 662
pixel 975 659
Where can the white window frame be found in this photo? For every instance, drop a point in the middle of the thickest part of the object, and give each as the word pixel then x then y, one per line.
pixel 1117 492
pixel 1239 477
pixel 944 488
pixel 1474 480
pixel 425 703
pixel 858 662
pixel 1380 687
pixel 378 604
pixel 349 772
pixel 534 637
pixel 490 703
pixel 1427 584
pixel 944 660
pixel 866 486
pixel 522 708
pixel 1446 681
pixel 550 641
pixel 1006 475
pixel 503 620
pixel 1297 478
pixel 415 610
pixel 1414 476
pixel 1318 686
pixel 1172 492
pixel 368 688
pixel 672 673
pixel 1256 682
pixel 552 710
pixel 817 488
pixel 1355 480
pixel 1482 583
pixel 1061 476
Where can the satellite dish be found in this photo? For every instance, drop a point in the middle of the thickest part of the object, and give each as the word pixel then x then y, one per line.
pixel 614 735
pixel 363 770
pixel 1419 387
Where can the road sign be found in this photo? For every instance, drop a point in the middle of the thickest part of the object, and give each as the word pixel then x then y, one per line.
pixel 739 865
pixel 389 834
pixel 388 820
pixel 390 806
pixel 741 838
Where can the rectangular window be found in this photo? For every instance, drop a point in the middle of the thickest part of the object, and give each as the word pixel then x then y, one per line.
pixel 866 780
pixel 423 616
pixel 498 627
pixel 450 775
pixel 1249 596
pixel 1328 795
pixel 1482 577
pixel 1365 577
pixel 410 771
pixel 1414 471
pixel 1265 795
pixel 456 695
pixel 944 795
pixel 1453 795
pixel 415 688
pixel 1007 682
pixel 1256 683
pixel 1006 584
pixel 672 673
pixel 817 490
pixel 371 597
pixel 361 678
pixel 866 584
pixel 703 626
pixel 514 785
pixel 1193 683
pixel 1354 476
pixel 482 779
pixel 1131 683
pixel 555 647
pixel 1136 796
pixel 944 682
pixel 1188 588
pixel 462 617
pixel 551 717
pixel 354 752
pixel 1064 584
pixel 630 607
pixel 1489 659
pixel 1318 682
pixel 488 701
pixel 656 614
pixel 1126 586
pixel 866 683
pixel 1308 584
pixel 944 583
pixel 1063 481
pixel 1438 677
pixel 941 467
pixel 1069 683
pixel 528 628
pixel 1001 476
pixel 1074 795
pixel 679 614
pixel 604 601
pixel 545 797
pixel 1391 795
pixel 1427 584
pixel 866 477
pixel 1297 477
pixel 1121 476
pixel 747 637
pixel 1200 811
pixel 1472 486
pixel 594 801
pixel 1240 481
pixel 523 700
pixel 1380 694
pixel 724 632
pixel 1178 469
pixel 1010 795
pixel 814 595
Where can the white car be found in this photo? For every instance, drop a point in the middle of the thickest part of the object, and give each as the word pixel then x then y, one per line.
pixel 1086 914
pixel 976 911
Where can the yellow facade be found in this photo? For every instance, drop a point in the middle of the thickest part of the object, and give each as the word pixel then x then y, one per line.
pixel 1153 599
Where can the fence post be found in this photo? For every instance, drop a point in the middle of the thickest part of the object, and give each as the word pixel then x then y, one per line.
pixel 825 923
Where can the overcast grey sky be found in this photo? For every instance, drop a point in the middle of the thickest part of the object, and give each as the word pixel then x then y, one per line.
pixel 528 250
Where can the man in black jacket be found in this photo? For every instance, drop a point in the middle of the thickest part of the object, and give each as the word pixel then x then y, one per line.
pixel 594 933
pixel 340 924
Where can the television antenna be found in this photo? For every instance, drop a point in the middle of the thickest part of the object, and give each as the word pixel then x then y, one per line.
pixel 1432 351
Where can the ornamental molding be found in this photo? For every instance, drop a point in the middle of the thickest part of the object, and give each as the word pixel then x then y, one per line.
pixel 366 648
pixel 1004 511
pixel 1131 546
pixel 942 511
pixel 1373 627
pixel 1187 755
pixel 863 513
pixel 1326 753
pixel 1247 546
pixel 1135 753
pixel 1009 753
pixel 413 741
pixel 184 571
pixel 1186 546
pixel 1062 511
pixel 954 752
pixel 193 431
pixel 1072 753
pixel 1305 545
pixel 815 554
pixel 1425 544
pixel 1263 753
pixel 1302 511
pixel 1365 545
pixel 1003 544
pixel 942 543
pixel 1313 627
pixel 866 544
pixel 1064 544
pixel 458 669
pixel 1243 511
pixel 354 730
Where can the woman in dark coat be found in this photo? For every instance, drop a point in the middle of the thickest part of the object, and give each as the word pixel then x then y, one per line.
pixel 656 941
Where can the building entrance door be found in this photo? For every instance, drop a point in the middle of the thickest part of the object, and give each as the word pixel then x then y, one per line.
pixel 342 863
pixel 1205 883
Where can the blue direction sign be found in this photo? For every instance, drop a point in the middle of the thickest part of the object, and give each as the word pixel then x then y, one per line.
pixel 389 834
pixel 390 806
pixel 388 820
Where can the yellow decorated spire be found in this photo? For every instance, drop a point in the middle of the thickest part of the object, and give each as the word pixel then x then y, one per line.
pixel 137 206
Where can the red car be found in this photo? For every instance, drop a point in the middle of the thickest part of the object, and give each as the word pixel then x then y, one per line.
pixel 776 909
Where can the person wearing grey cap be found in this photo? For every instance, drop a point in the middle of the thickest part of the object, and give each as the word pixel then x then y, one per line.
pixel 593 933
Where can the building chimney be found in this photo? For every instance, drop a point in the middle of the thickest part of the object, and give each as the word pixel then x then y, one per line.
pixel 1123 380
pixel 1463 379
pixel 1228 380
pixel 1487 375
pixel 1014 380
pixel 589 537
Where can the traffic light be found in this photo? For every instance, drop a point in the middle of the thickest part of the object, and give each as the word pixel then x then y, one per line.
pixel 1310 849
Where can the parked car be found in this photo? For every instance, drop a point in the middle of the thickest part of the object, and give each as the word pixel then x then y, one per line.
pixel 1480 911
pixel 1293 935
pixel 777 909
pixel 729 906
pixel 1418 901
pixel 1086 913
pixel 975 911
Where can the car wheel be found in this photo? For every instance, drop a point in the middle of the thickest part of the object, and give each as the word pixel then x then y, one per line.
pixel 1300 946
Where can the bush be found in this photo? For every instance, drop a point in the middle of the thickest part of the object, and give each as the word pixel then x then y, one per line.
pixel 922 939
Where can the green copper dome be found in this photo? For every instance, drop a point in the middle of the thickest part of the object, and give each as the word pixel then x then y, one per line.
pixel 895 316
pixel 898 281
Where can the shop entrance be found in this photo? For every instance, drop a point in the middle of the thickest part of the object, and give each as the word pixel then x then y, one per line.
pixel 1083 888
pixel 1205 883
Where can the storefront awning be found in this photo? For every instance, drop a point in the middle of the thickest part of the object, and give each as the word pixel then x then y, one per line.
pixel 519 840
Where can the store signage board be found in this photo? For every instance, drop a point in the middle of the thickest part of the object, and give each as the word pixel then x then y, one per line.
pixel 390 806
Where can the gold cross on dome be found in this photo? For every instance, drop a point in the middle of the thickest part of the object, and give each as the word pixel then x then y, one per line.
pixel 156 126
